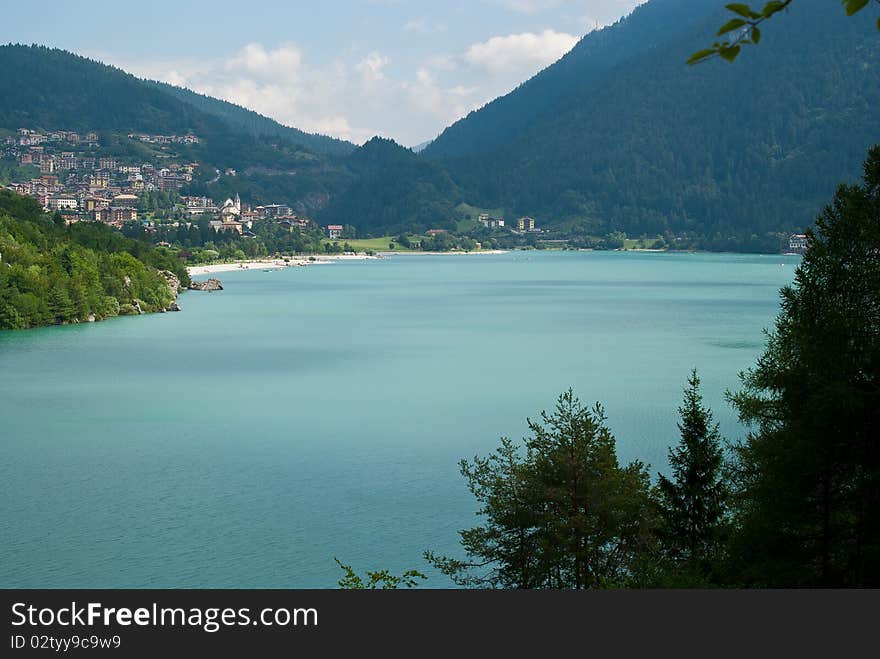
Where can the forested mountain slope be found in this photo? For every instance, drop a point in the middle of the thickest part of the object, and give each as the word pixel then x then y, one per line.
pixel 649 26
pixel 654 145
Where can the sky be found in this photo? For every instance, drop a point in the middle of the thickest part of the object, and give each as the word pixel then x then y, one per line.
pixel 403 69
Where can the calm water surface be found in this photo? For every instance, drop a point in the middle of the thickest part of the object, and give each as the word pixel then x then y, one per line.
pixel 317 412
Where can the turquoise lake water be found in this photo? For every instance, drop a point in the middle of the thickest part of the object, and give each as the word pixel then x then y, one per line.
pixel 316 412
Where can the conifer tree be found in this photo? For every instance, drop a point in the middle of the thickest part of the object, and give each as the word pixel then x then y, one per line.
pixel 693 500
pixel 808 475
pixel 563 513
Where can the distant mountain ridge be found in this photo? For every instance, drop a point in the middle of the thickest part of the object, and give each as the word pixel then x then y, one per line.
pixel 256 124
pixel 54 89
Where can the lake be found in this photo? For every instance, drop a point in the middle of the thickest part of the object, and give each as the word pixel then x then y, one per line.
pixel 316 412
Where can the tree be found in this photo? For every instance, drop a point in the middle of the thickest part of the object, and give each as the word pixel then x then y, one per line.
pixel 560 514
pixel 808 475
pixel 745 27
pixel 379 580
pixel 693 501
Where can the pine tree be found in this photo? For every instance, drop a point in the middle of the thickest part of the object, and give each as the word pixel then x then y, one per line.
pixel 808 475
pixel 560 514
pixel 693 501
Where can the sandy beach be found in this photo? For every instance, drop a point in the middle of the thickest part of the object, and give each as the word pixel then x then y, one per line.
pixel 275 264
pixel 318 259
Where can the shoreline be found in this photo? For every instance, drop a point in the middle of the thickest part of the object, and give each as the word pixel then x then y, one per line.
pixel 318 259
pixel 324 259
pixel 275 264
pixel 474 252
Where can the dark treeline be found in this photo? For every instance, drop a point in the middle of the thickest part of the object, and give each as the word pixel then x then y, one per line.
pixel 795 504
pixel 51 273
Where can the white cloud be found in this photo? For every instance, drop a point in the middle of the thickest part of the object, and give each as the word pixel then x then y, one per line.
pixel 175 78
pixel 527 52
pixel 283 62
pixel 371 67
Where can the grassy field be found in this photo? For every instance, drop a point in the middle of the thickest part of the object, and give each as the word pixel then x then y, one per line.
pixel 374 244
pixel 639 243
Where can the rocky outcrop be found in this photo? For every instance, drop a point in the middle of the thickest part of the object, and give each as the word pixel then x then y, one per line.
pixel 207 285
pixel 134 309
pixel 174 286
pixel 173 281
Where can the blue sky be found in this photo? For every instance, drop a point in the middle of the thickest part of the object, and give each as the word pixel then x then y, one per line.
pixel 351 68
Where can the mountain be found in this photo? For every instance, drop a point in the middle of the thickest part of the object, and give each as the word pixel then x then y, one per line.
pixel 392 190
pixel 377 186
pixel 650 25
pixel 635 140
pixel 256 124
pixel 49 88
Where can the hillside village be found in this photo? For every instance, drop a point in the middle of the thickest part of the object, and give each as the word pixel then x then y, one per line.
pixel 73 174
pixel 73 178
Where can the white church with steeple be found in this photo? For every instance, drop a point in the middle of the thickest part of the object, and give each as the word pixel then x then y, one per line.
pixel 230 214
pixel 231 210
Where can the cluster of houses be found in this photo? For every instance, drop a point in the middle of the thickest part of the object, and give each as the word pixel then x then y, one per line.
pixel 523 224
pixel 81 183
pixel 164 139
pixel 232 215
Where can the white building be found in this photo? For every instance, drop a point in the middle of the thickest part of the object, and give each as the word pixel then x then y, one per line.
pixel 797 243
pixel 231 209
pixel 62 203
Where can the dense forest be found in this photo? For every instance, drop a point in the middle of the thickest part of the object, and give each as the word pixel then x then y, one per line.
pixel 56 274
pixel 394 190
